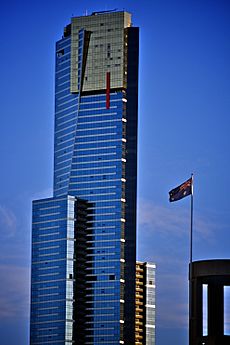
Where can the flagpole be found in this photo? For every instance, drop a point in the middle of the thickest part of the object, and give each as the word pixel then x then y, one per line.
pixel 191 224
pixel 190 263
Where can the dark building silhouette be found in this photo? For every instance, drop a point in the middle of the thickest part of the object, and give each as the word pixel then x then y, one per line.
pixel 211 276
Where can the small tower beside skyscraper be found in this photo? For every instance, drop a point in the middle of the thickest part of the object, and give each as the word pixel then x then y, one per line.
pixel 145 305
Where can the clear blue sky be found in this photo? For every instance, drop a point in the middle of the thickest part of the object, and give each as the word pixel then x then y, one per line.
pixel 184 126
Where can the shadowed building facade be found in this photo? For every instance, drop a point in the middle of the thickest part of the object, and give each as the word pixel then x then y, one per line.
pixel 84 237
pixel 210 278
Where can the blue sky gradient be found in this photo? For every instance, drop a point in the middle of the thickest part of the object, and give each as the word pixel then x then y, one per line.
pixel 184 126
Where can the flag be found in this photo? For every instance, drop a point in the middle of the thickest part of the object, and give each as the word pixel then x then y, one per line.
pixel 181 191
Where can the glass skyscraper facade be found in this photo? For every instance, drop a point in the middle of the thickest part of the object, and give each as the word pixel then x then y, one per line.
pixel 84 237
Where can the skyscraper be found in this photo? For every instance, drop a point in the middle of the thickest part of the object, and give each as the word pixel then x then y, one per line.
pixel 84 237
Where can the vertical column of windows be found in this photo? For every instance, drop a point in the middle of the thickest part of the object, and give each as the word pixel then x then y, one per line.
pixel 150 304
pixel 65 118
pixel 97 162
pixel 51 283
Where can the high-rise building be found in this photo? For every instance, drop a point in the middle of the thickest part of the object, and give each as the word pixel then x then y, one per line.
pixel 84 237
pixel 145 303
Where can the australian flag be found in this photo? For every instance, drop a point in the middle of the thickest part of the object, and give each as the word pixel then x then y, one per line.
pixel 181 191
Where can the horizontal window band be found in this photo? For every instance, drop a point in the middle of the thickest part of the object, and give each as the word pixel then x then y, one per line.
pixel 62 168
pixel 61 111
pixel 103 241
pixel 118 94
pixel 98 148
pixel 47 281
pixel 101 308
pixel 46 248
pixel 48 254
pixel 103 233
pixel 64 46
pixel 48 228
pixel 66 160
pixel 64 122
pixel 92 175
pixel 102 248
pixel 91 142
pixel 92 181
pixel 98 161
pixel 87 99
pixel 67 88
pixel 100 268
pixel 64 129
pixel 68 114
pixel 45 329
pixel 59 137
pixel 94 155
pixel 47 201
pixel 65 182
pixel 103 261
pixel 97 108
pixel 97 208
pixel 62 70
pixel 70 96
pixel 96 168
pixel 50 207
pixel 48 321
pixel 61 155
pixel 90 188
pixel 48 294
pixel 89 122
pixel 59 104
pixel 65 147
pixel 52 234
pixel 65 82
pixel 95 135
pixel 101 254
pixel 48 288
pixel 104 221
pixel 55 240
pixel 65 187
pixel 45 336
pixel 102 121
pixel 52 220
pixel 66 61
pixel 48 214
pixel 49 261
pixel 95 129
pixel 88 156
pixel 87 195
pixel 59 80
pixel 47 267
pixel 96 115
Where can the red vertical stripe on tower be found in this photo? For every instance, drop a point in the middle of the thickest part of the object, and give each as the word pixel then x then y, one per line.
pixel 107 90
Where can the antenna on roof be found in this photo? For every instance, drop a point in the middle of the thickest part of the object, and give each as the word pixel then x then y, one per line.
pixel 101 12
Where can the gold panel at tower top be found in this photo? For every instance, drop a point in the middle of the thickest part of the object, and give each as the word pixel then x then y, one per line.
pixel 107 50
